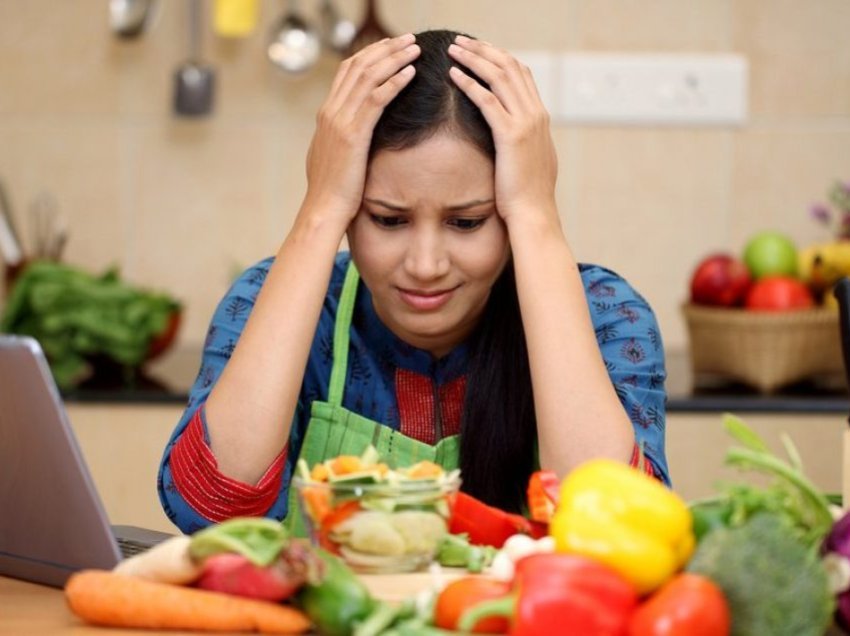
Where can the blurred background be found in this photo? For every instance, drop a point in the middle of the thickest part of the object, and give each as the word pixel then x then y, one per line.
pixel 180 204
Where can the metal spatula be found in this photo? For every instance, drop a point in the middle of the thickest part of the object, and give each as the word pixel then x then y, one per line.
pixel 194 82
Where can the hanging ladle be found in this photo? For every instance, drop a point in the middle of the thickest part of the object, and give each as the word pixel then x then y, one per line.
pixel 194 82
pixel 294 45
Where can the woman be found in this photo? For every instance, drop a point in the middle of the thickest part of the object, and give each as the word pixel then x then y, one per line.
pixel 474 338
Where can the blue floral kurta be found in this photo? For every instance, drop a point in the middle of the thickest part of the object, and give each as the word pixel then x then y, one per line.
pixel 394 383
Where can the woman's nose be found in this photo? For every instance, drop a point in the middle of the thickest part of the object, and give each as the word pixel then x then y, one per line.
pixel 427 257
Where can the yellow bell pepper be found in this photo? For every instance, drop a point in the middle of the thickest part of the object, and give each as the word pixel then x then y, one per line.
pixel 619 516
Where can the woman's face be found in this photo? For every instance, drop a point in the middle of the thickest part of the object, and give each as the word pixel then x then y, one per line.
pixel 428 241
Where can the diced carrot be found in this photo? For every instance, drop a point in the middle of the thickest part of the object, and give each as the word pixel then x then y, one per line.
pixel 340 514
pixel 345 464
pixel 382 469
pixel 318 500
pixel 319 473
pixel 424 470
pixel 115 600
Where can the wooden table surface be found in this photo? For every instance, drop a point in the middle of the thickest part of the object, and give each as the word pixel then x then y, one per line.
pixel 27 608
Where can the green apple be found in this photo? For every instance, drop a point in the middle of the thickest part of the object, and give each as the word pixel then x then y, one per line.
pixel 771 254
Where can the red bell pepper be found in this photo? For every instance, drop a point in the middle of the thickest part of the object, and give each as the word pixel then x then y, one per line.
pixel 562 594
pixel 543 494
pixel 487 525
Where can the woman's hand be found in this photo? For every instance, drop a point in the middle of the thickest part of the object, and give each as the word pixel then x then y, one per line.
pixel 364 84
pixel 526 163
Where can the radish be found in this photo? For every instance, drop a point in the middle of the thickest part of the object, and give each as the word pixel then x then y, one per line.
pixel 233 573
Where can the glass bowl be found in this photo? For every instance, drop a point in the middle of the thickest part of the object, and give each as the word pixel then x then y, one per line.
pixel 379 526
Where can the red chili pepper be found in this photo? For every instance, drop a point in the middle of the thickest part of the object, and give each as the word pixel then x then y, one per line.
pixel 543 494
pixel 562 593
pixel 487 525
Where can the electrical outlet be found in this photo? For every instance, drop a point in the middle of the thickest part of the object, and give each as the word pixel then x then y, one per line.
pixel 709 89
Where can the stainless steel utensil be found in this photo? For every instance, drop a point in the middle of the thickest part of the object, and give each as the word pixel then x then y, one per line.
pixel 48 227
pixel 11 250
pixel 194 82
pixel 337 31
pixel 129 18
pixel 294 46
pixel 370 31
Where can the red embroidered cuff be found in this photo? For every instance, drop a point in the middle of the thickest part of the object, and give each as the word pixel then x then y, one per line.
pixel 211 494
pixel 639 460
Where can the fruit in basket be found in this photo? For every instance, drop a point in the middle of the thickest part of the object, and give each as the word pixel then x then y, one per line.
pixel 779 293
pixel 720 279
pixel 771 253
pixel 821 265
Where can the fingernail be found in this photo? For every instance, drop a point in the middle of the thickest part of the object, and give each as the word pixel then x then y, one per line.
pixel 407 37
pixel 454 48
pixel 461 39
pixel 407 70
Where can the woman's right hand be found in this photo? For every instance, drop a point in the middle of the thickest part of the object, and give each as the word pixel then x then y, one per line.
pixel 336 162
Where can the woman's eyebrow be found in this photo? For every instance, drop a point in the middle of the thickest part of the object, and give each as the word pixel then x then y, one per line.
pixel 387 205
pixel 451 208
pixel 469 204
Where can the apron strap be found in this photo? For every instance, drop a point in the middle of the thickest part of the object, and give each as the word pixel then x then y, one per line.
pixel 342 328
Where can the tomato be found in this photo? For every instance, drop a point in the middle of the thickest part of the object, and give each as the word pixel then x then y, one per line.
pixel 779 293
pixel 461 594
pixel 687 605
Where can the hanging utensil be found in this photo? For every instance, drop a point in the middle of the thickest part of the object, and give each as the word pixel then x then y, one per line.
pixel 47 227
pixel 235 18
pixel 294 45
pixel 194 82
pixel 11 250
pixel 337 31
pixel 370 31
pixel 129 18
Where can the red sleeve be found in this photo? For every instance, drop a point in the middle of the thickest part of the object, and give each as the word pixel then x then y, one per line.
pixel 211 494
pixel 639 460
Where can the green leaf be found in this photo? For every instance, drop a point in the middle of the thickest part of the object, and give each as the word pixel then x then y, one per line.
pixel 744 434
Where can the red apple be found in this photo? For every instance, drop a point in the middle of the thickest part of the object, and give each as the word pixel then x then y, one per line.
pixel 720 279
pixel 779 293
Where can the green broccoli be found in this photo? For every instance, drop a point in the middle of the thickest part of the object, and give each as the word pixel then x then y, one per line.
pixel 773 583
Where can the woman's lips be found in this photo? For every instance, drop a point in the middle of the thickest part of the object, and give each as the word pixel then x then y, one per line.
pixel 426 300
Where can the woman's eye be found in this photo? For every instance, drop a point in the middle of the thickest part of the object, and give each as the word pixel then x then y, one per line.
pixel 467 224
pixel 387 221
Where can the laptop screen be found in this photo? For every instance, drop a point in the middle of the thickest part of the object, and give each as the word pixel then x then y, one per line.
pixel 52 521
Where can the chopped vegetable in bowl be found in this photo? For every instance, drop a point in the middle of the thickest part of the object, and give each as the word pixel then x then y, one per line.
pixel 376 518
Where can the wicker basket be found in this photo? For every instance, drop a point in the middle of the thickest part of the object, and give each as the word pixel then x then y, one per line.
pixel 766 350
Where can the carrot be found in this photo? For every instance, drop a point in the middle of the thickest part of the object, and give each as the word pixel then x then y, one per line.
pixel 319 473
pixel 424 470
pixel 115 600
pixel 346 464
pixel 318 500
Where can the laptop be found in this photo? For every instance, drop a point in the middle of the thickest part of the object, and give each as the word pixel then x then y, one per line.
pixel 52 521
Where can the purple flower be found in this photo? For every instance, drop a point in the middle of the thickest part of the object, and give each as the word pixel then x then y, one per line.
pixel 821 213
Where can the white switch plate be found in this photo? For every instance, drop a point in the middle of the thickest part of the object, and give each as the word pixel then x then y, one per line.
pixel 702 89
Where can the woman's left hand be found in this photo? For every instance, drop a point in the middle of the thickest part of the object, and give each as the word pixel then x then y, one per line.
pixel 526 163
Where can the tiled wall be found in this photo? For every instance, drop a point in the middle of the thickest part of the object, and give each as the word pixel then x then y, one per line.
pixel 180 205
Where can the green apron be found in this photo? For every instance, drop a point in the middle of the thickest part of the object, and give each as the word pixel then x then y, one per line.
pixel 334 430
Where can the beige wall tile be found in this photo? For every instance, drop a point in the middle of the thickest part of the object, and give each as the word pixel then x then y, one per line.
pixel 55 58
pixel 212 221
pixel 654 25
pixel 778 173
pixel 80 163
pixel 651 203
pixel 800 61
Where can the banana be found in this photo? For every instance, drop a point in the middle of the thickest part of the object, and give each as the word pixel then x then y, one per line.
pixel 821 265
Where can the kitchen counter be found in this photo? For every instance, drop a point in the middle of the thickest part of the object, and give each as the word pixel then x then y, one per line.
pixel 168 380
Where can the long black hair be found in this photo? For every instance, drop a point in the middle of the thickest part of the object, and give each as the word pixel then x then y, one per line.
pixel 498 429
